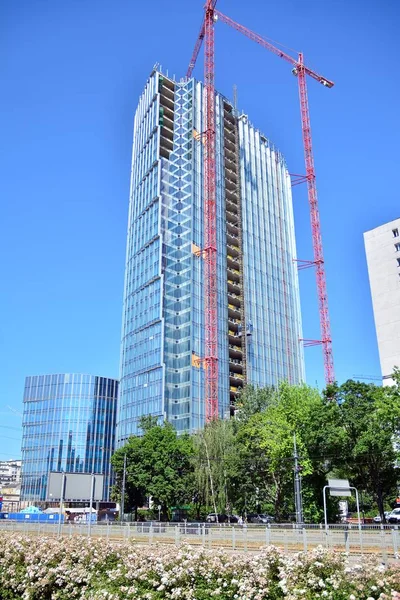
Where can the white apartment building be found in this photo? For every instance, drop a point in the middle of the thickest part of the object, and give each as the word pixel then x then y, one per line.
pixel 10 472
pixel 382 247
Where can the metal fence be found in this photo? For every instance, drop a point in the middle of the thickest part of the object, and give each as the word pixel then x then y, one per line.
pixel 380 540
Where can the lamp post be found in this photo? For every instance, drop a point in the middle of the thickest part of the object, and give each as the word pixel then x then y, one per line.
pixel 123 491
pixel 90 505
pixel 61 501
pixel 297 484
pixel 297 477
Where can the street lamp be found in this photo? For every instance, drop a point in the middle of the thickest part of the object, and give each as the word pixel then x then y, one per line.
pixel 123 491
pixel 297 477
pixel 297 484
pixel 62 489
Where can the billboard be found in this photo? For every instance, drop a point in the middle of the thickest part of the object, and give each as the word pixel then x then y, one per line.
pixel 74 487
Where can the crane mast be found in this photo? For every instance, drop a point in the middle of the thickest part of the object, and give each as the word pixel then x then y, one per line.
pixel 326 339
pixel 210 224
pixel 301 71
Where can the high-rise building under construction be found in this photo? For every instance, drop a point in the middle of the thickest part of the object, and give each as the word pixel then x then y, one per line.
pixel 163 330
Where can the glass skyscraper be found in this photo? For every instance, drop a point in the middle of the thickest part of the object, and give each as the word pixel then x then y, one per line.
pixel 259 322
pixel 68 425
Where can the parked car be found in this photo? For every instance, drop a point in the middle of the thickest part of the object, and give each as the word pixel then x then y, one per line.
pixel 267 518
pixel 257 518
pixel 233 519
pixel 378 519
pixel 222 518
pixel 394 516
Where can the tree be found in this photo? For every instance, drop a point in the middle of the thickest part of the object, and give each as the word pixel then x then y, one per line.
pixel 265 444
pixel 252 400
pixel 158 464
pixel 214 450
pixel 370 419
pixel 246 463
pixel 264 465
pixel 323 437
pixel 135 495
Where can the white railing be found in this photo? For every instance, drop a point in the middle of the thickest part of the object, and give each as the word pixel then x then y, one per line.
pixel 380 540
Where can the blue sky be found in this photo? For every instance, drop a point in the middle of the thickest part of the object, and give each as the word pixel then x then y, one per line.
pixel 71 74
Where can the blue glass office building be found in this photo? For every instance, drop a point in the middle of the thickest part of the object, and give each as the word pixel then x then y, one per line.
pixel 258 294
pixel 68 425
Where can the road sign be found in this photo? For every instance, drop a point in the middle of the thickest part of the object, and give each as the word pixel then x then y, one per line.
pixel 339 487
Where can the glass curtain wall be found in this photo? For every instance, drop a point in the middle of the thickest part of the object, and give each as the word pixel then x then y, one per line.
pixel 176 226
pixel 163 334
pixel 141 365
pixel 198 236
pixel 68 425
pixel 272 299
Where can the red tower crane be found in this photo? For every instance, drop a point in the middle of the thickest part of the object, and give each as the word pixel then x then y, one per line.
pixel 210 222
pixel 300 70
pixel 196 51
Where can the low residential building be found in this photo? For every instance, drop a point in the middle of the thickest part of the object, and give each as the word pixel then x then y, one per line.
pixel 11 494
pixel 10 471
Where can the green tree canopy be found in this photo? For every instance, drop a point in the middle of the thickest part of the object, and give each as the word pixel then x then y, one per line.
pixel 369 417
pixel 158 464
pixel 246 464
pixel 266 443
pixel 215 449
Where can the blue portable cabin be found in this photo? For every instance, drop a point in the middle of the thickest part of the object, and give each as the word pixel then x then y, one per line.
pixel 35 515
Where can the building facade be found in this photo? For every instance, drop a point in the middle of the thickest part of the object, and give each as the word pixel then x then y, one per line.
pixel 68 425
pixel 10 485
pixel 259 322
pixel 382 247
pixel 10 471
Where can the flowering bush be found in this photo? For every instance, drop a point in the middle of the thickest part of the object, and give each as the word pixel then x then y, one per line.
pixel 67 568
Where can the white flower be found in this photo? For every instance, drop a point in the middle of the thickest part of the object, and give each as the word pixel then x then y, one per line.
pixel 381 568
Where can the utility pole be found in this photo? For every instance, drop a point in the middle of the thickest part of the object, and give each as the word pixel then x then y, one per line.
pixel 123 491
pixel 297 484
pixel 92 483
pixel 62 491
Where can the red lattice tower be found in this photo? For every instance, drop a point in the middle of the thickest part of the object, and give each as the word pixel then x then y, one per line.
pixel 326 339
pixel 210 224
pixel 301 70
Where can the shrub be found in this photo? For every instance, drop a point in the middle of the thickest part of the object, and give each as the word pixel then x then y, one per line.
pixel 40 568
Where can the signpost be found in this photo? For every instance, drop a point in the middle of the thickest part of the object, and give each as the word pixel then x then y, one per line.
pixel 340 487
